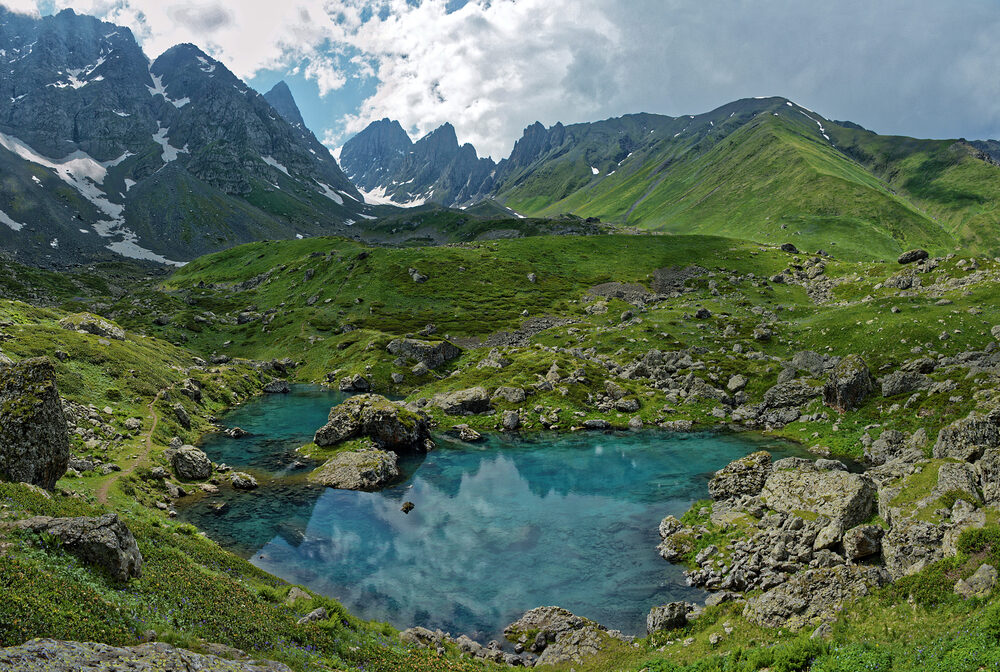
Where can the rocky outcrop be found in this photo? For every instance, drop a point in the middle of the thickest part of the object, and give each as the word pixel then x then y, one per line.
pixel 105 541
pixel 743 477
pixel 430 354
pixel 850 383
pixel 668 616
pixel 968 438
pixel 34 446
pixel 464 402
pixel 911 256
pixel 356 383
pixel 388 425
pixel 358 470
pixel 846 499
pixel 49 655
pixel 277 386
pixel 189 463
pixel 88 323
pixel 559 636
pixel 437 639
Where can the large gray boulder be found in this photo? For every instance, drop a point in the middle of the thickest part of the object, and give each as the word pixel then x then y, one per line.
pixel 743 477
pixel 92 324
pixel 988 469
pixel 358 470
pixel 190 463
pixel 846 499
pixel 903 382
pixel 911 545
pixel 966 439
pixel 850 383
pixel 668 616
pixel 49 655
pixel 911 256
pixel 791 393
pixel 464 402
pixel 105 541
pixel 430 354
pixel 34 446
pixel 388 425
pixel 559 636
pixel 862 541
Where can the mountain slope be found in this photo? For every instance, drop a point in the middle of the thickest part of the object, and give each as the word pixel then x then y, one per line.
pixel 162 161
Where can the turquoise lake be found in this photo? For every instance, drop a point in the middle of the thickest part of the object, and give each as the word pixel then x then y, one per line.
pixel 498 527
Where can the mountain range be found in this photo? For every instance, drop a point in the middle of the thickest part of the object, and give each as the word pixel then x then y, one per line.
pixel 105 152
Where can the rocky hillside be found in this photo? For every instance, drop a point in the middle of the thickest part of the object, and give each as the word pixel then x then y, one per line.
pixel 107 153
pixel 390 168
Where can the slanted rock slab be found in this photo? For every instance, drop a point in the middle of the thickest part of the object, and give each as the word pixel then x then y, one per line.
pixel 104 541
pixel 845 498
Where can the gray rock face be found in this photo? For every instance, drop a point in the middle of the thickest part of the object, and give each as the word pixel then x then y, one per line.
pixel 668 616
pixel 791 393
pixel 190 463
pixel 862 541
pixel 511 421
pixel 966 439
pixel 105 541
pixel 464 402
pixel 430 354
pixel 910 546
pixel 958 478
pixel 561 635
pixel 850 383
pixel 513 395
pixel 988 468
pixel 92 324
pixel 812 596
pixel 277 387
pixel 34 446
pixel 358 470
pixel 979 584
pixel 846 499
pixel 911 256
pixel 903 382
pixel 49 655
pixel 890 445
pixel 355 383
pixel 743 477
pixel 391 427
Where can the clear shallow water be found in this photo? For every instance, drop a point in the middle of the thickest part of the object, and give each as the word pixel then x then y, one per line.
pixel 499 527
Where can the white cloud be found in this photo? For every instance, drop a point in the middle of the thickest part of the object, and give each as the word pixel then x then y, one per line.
pixel 21 6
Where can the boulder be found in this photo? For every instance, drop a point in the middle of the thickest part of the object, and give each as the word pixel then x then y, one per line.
pixel 849 384
pixel 92 324
pixel 355 383
pixel 980 584
pixel 911 256
pixel 846 499
pixel 190 463
pixel 513 395
pixel 104 541
pixel 790 248
pixel 318 614
pixel 58 656
pixel 959 478
pixel 596 424
pixel 511 421
pixel 430 354
pixel 389 425
pixel 890 445
pixel 911 545
pixel 743 477
pixel 358 470
pixel 966 439
pixel 807 360
pixel 903 382
pixel 988 469
pixel 466 433
pixel 182 416
pixel 736 383
pixel 277 386
pixel 559 635
pixel 243 481
pixel 464 402
pixel 862 541
pixel 791 393
pixel 34 445
pixel 668 616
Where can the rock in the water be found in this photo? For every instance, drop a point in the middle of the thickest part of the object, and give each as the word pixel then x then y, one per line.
pixel 467 434
pixel 430 354
pixel 277 386
pixel 407 507
pixel 979 584
pixel 911 256
pixel 862 541
pixel 846 499
pixel 668 616
pixel 745 476
pixel 105 541
pixel 358 470
pixel 92 324
pixel 34 445
pixel 243 481
pixel 389 425
pixel 464 402
pixel 355 383
pixel 49 655
pixel 190 463
pixel 849 384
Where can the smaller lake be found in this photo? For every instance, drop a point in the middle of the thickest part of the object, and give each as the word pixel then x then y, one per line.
pixel 498 527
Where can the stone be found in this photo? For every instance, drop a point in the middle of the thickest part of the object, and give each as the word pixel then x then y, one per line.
pixel 243 481
pixel 980 584
pixel 849 384
pixel 407 507
pixel 190 463
pixel 957 478
pixel 49 655
pixel 911 256
pixel 34 444
pixel 807 360
pixel 92 324
pixel 790 248
pixel 791 393
pixel 844 498
pixel 564 637
pixel 103 541
pixel 668 617
pixel 635 423
pixel 903 382
pixel 890 445
pixel 511 421
pixel 296 594
pixel 388 425
pixel 430 354
pixel 182 416
pixel 737 383
pixel 862 541
pixel 467 434
pixel 911 545
pixel 988 469
pixel 277 386
pixel 596 424
pixel 318 614
pixel 355 383
pixel 358 470
pixel 512 395
pixel 743 477
pixel 966 439
pixel 471 401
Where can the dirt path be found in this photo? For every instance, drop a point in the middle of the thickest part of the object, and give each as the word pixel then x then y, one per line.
pixel 102 492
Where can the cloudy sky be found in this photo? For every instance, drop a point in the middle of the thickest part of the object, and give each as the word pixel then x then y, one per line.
pixel 916 67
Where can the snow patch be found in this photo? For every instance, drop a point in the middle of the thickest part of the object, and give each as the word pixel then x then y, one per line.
pixel 378 196
pixel 181 102
pixel 328 191
pixel 817 121
pixel 169 152
pixel 299 236
pixel 206 66
pixel 77 78
pixel 364 216
pixel 158 89
pixel 83 230
pixel 34 178
pixel 348 222
pixel 595 171
pixel 6 219
pixel 122 114
pixel 129 183
pixel 270 160
pixel 54 244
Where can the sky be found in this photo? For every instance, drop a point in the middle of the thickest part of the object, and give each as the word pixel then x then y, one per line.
pixel 924 68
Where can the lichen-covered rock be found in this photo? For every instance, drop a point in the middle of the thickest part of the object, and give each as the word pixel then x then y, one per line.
pixel 850 383
pixel 464 402
pixel 911 256
pixel 903 382
pixel 988 468
pixel 791 393
pixel 388 425
pixel 182 416
pixel 358 470
pixel 911 545
pixel 846 499
pixel 966 439
pixel 511 421
pixel 958 478
pixel 743 477
pixel 92 324
pixel 979 584
pixel 105 541
pixel 561 635
pixel 190 463
pixel 277 386
pixel 810 597
pixel 430 354
pixel 49 655
pixel 243 481
pixel 355 383
pixel 668 616
pixel 34 446
pixel 862 541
